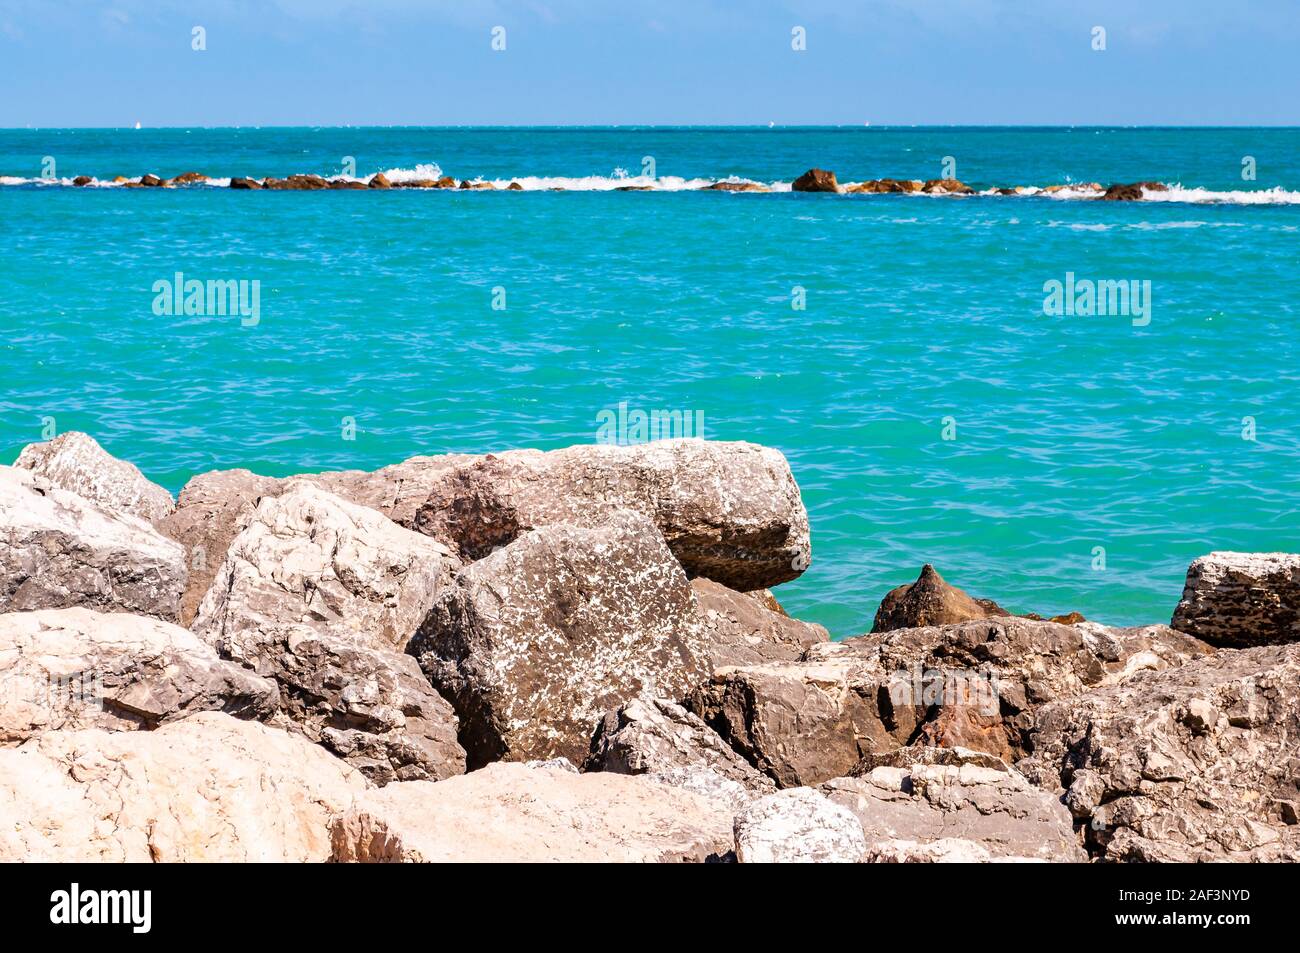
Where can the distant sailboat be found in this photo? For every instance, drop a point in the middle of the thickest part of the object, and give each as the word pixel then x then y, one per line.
pixel 137 125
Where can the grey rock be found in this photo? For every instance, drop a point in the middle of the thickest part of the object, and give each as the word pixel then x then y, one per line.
pixel 67 669
pixel 729 511
pixel 1193 763
pixel 59 550
pixel 536 642
pixel 521 814
pixel 799 826
pixel 914 800
pixel 1241 600
pixel 741 630
pixel 661 738
pixel 310 557
pixel 75 462
pixel 371 707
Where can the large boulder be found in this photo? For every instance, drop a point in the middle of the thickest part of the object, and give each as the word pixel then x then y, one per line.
pixel 534 643
pixel 214 508
pixel 516 813
pixel 974 685
pixel 728 511
pixel 1241 599
pixel 208 788
pixel 310 557
pixel 914 802
pixel 800 826
pixel 662 740
pixel 741 629
pixel 64 669
pixel 815 180
pixel 1194 763
pixel 75 462
pixel 370 706
pixel 60 550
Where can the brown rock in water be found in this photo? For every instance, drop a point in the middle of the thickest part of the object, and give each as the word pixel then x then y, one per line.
pixel 735 187
pixel 931 601
pixel 296 183
pixel 415 184
pixel 345 184
pixel 60 550
pixel 117 671
pixel 634 188
pixel 310 557
pixel 446 182
pixel 515 813
pixel 151 181
pixel 1194 763
pixel 1241 600
pixel 815 180
pixel 82 180
pixel 534 643
pixel 739 630
pixel 514 187
pixel 946 186
pixel 379 181
pixel 245 184
pixel 927 805
pixel 189 178
pixel 1123 193
pixel 119 179
pixel 661 739
pixel 466 184
pixel 729 511
pixel 882 186
pixel 75 462
pixel 974 685
pixel 206 788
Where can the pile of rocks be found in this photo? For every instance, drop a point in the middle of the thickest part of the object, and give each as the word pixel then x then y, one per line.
pixel 574 655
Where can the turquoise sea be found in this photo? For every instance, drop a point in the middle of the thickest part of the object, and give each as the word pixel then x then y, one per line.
pixel 923 317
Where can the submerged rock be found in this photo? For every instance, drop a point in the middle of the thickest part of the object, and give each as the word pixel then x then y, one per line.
pixel 1123 193
pixel 521 814
pixel 883 186
pixel 73 461
pixel 735 187
pixel 815 180
pixel 240 183
pixel 947 186
pixel 82 180
pixel 536 642
pixel 65 669
pixel 1241 599
pixel 728 511
pixel 61 550
pixel 208 788
pixel 1194 763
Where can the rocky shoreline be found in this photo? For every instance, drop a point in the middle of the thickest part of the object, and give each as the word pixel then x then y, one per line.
pixel 814 180
pixel 576 656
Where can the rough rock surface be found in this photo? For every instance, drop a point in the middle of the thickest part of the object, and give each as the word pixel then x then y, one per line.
pixel 1241 599
pixel 308 556
pixel 662 739
pixel 974 685
pixel 912 801
pixel 728 511
pixel 371 707
pixel 58 550
pixel 65 669
pixel 931 601
pixel 740 629
pixel 206 788
pixel 75 462
pixel 214 508
pixel 1194 763
pixel 517 813
pixel 534 643
pixel 799 826
pixel 815 180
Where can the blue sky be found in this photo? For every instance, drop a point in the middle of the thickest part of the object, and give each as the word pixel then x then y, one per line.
pixel 418 62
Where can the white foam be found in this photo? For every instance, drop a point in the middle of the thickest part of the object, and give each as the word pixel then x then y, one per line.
pixel 1176 193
